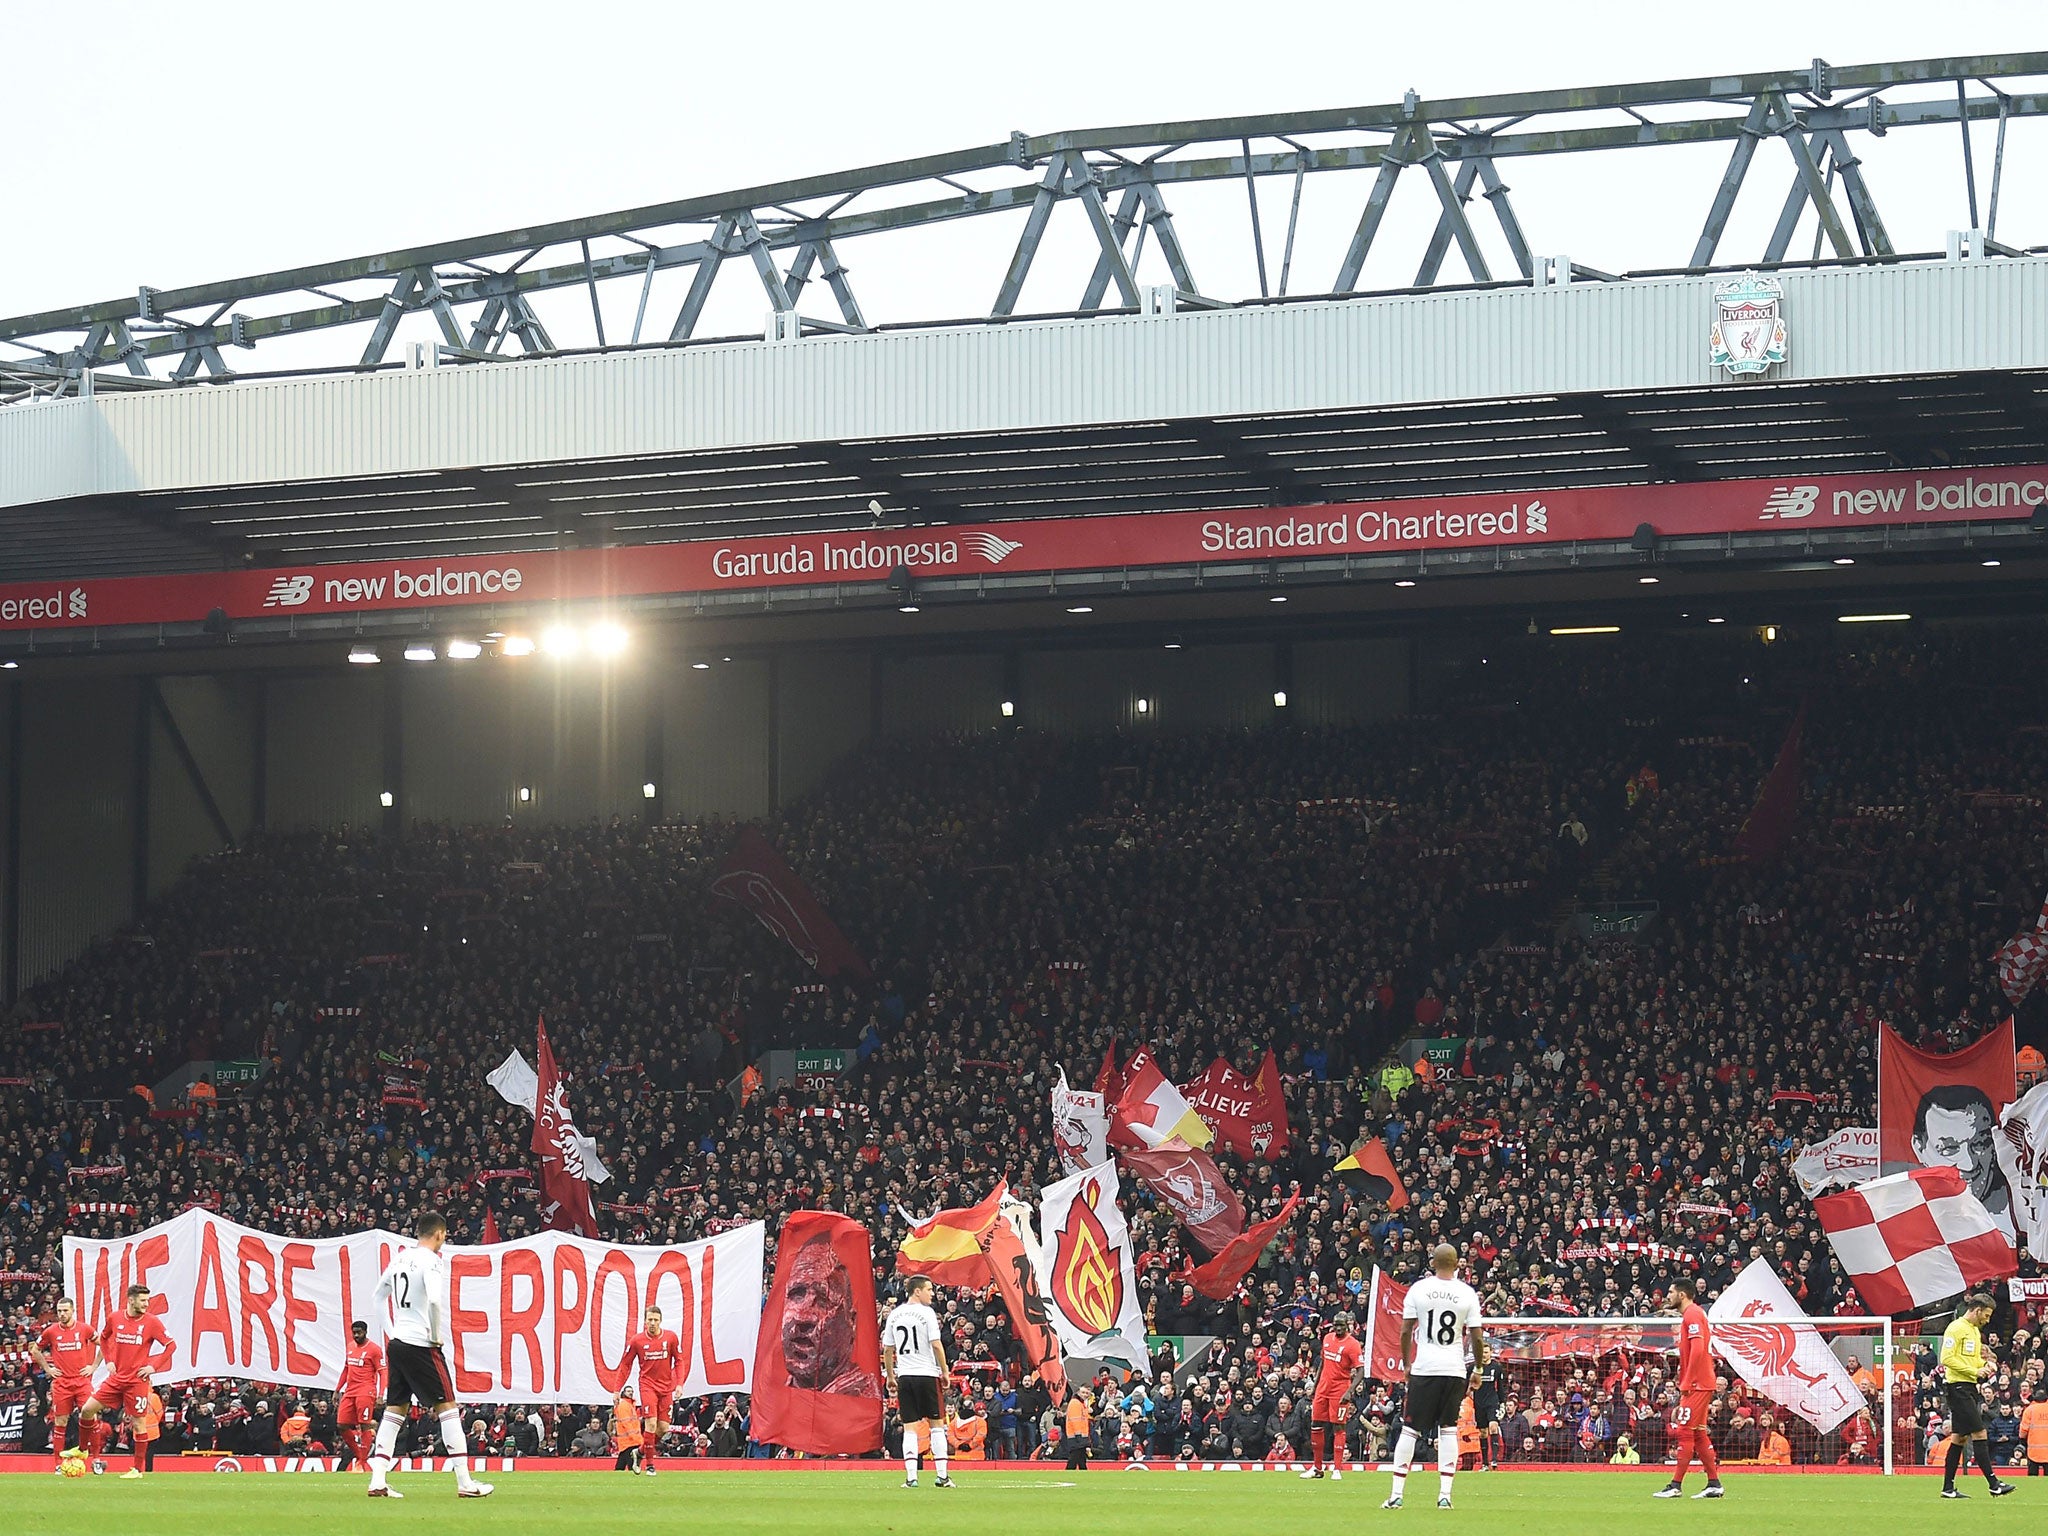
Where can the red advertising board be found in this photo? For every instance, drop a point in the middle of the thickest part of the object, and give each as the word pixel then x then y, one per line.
pixel 1602 513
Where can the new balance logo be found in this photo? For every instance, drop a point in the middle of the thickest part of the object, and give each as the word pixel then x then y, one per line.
pixel 991 548
pixel 1787 502
pixel 289 592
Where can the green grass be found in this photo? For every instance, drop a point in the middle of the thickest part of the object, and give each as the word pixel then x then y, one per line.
pixel 1154 1503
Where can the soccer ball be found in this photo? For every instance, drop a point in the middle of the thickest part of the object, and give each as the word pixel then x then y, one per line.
pixel 74 1465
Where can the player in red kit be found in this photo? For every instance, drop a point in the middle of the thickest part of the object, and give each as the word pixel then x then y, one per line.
pixel 362 1387
pixel 1342 1356
pixel 658 1354
pixel 1695 1395
pixel 135 1347
pixel 66 1352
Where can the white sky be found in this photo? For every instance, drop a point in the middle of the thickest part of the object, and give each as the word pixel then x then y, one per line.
pixel 176 143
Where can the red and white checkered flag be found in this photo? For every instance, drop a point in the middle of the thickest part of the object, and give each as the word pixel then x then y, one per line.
pixel 2023 960
pixel 1915 1238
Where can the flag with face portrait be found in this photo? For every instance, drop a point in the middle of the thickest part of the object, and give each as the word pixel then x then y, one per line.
pixel 1943 1111
pixel 1080 1126
pixel 818 1360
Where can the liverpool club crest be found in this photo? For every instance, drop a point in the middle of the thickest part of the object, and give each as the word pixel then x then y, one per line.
pixel 1749 325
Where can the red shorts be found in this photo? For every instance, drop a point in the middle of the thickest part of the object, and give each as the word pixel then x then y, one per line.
pixel 654 1415
pixel 129 1394
pixel 67 1394
pixel 1692 1409
pixel 352 1411
pixel 1327 1410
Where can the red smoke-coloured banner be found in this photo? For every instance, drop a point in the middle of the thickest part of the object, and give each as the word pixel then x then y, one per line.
pixel 758 878
pixel 1383 1359
pixel 1776 811
pixel 1248 1114
pixel 1192 1186
pixel 1600 513
pixel 565 1185
pixel 1943 1110
pixel 1015 1276
pixel 818 1365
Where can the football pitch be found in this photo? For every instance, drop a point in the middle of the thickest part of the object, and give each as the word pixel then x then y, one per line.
pixel 1153 1503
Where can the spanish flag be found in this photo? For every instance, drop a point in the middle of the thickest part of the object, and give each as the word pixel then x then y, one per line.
pixel 947 1246
pixel 1371 1172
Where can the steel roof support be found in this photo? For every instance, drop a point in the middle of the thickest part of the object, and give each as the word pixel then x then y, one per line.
pixel 1160 220
pixel 1368 224
pixel 1869 226
pixel 717 248
pixel 1027 243
pixel 1107 237
pixel 1120 230
pixel 1731 183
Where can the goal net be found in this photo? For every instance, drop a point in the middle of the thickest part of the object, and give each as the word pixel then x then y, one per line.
pixel 1827 1393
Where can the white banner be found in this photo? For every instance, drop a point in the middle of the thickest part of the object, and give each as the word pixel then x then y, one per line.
pixel 1080 1126
pixel 541 1320
pixel 1091 1286
pixel 1847 1157
pixel 2023 1156
pixel 1788 1361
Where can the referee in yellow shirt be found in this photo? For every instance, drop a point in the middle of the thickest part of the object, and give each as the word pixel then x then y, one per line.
pixel 1964 1362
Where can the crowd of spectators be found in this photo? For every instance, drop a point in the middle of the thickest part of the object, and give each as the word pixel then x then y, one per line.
pixel 1327 893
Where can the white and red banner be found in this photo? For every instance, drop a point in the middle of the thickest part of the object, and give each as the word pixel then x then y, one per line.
pixel 1597 513
pixel 1847 1157
pixel 1150 1111
pixel 541 1320
pixel 1759 1329
pixel 1913 1239
pixel 1080 1126
pixel 1091 1284
pixel 2023 1158
pixel 1248 1114
pixel 2022 959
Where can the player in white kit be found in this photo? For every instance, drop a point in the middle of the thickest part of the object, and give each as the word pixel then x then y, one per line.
pixel 914 1361
pixel 415 1284
pixel 1439 1317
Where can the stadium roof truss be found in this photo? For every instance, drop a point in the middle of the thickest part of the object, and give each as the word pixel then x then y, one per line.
pixel 480 292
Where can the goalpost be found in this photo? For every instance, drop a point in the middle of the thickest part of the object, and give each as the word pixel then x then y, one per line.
pixel 1624 1367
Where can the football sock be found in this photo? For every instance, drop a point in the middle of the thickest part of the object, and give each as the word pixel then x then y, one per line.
pixel 939 1449
pixel 1683 1438
pixel 96 1435
pixel 1983 1450
pixel 1404 1458
pixel 458 1445
pixel 1948 1470
pixel 138 1452
pixel 909 1454
pixel 1446 1460
pixel 385 1444
pixel 1708 1459
pixel 1337 1451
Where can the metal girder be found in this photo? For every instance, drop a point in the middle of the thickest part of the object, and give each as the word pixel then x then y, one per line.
pixel 480 290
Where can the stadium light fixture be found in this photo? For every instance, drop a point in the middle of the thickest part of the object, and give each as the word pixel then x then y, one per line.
pixel 1646 581
pixel 908 608
pixel 1009 709
pixel 1990 564
pixel 1173 643
pixel 1873 618
pixel 560 640
pixel 1587 629
pixel 1717 621
pixel 359 656
pixel 525 794
pixel 1276 598
pixel 607 639
pixel 1845 560
pixel 1279 698
pixel 700 666
pixel 10 666
pixel 464 650
pixel 1144 706
pixel 419 650
pixel 1404 582
pixel 516 645
pixel 647 791
pixel 1080 608
pixel 386 799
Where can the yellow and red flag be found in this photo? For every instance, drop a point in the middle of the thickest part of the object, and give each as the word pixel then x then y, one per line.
pixel 948 1246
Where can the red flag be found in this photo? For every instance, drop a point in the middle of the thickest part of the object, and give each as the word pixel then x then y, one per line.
pixel 1011 1269
pixel 1248 1114
pixel 1772 818
pixel 490 1226
pixel 1150 1111
pixel 1218 1278
pixel 1190 1182
pixel 2022 959
pixel 1383 1360
pixel 1109 1080
pixel 1915 1238
pixel 757 877
pixel 565 1191
pixel 1944 1110
pixel 818 1365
